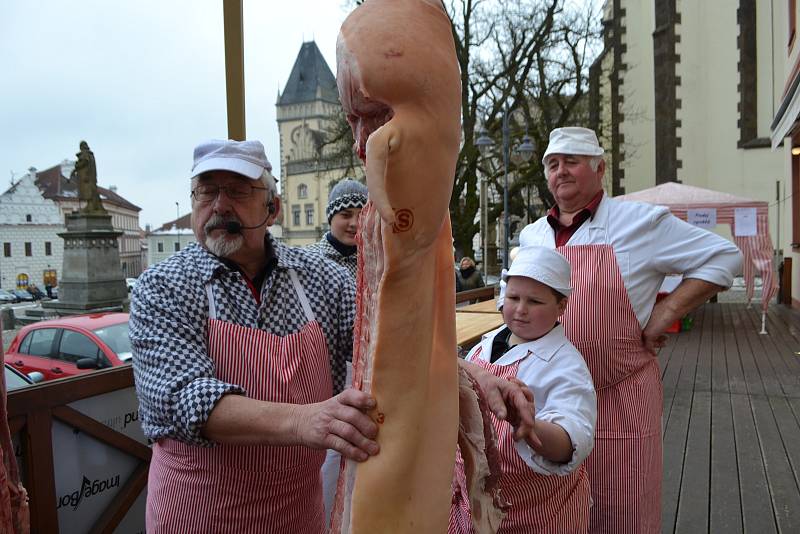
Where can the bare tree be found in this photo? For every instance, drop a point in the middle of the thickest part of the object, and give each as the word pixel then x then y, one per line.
pixel 530 57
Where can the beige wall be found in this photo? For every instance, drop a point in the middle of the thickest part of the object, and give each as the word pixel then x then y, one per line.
pixel 709 95
pixel 710 98
pixel 638 126
pixel 791 56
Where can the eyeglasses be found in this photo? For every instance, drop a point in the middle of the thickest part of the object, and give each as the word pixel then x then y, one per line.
pixel 234 191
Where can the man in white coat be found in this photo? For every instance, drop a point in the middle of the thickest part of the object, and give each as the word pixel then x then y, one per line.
pixel 619 254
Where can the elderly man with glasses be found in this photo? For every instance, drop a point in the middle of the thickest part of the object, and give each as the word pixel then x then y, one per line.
pixel 240 346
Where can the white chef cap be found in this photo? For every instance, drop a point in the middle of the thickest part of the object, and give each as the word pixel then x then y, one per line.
pixel 544 265
pixel 573 140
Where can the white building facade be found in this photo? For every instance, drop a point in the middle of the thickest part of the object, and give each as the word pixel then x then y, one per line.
pixel 32 214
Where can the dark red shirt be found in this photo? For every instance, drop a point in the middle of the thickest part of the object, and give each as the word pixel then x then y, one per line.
pixel 564 233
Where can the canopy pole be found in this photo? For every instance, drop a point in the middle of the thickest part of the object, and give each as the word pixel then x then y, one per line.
pixel 234 67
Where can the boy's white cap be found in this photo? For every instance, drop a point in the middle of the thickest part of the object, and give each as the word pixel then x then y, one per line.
pixel 544 265
pixel 573 140
pixel 242 157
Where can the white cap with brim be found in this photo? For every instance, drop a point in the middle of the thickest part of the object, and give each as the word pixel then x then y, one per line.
pixel 573 140
pixel 242 157
pixel 544 265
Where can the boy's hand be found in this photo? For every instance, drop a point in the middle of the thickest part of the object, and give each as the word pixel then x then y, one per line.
pixel 524 427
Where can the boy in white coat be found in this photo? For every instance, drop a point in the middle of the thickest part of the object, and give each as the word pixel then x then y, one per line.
pixel 542 473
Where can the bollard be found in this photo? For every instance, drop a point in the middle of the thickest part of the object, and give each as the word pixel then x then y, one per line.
pixel 7 318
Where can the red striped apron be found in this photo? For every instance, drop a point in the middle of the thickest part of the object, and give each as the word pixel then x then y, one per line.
pixel 243 489
pixel 625 464
pixel 551 504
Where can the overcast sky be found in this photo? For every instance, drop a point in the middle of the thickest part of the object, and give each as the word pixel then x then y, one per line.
pixel 142 81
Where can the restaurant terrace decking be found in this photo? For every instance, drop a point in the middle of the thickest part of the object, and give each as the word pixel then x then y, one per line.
pixel 732 423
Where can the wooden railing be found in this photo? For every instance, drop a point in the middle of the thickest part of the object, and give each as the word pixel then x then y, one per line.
pixel 31 413
pixel 480 294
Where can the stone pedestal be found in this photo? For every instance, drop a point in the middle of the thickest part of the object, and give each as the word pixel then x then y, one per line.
pixel 91 279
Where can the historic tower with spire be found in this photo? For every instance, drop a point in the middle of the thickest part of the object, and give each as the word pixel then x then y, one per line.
pixel 307 112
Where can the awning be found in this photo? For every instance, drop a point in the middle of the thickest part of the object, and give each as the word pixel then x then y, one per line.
pixel 787 114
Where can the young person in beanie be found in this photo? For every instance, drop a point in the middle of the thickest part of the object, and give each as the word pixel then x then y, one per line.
pixel 344 205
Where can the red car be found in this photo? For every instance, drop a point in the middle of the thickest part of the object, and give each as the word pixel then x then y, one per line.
pixel 71 346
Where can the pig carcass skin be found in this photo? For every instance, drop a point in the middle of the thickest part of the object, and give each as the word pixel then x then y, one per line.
pixel 14 512
pixel 397 63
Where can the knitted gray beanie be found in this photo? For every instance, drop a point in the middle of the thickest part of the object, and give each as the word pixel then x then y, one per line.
pixel 346 194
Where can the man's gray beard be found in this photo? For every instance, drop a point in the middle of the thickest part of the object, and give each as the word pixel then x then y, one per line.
pixel 225 245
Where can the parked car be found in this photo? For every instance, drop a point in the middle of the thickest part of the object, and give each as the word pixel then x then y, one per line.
pixel 72 345
pixel 23 295
pixel 7 297
pixel 16 380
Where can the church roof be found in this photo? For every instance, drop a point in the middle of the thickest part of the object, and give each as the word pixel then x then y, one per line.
pixel 310 74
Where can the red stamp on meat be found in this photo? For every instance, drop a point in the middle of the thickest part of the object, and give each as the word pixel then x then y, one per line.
pixel 403 220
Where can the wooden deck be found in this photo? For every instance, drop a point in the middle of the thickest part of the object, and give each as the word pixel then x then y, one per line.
pixel 732 423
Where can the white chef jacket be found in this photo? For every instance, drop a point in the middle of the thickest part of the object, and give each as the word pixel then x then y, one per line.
pixel 562 390
pixel 649 243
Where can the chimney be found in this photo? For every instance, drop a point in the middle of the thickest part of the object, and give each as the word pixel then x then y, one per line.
pixel 112 188
pixel 67 167
pixel 32 172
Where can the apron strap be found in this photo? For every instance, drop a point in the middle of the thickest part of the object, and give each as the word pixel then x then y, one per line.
pixel 302 295
pixel 212 307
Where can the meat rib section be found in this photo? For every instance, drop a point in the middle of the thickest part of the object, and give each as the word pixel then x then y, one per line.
pixel 480 454
pixel 397 63
pixel 14 518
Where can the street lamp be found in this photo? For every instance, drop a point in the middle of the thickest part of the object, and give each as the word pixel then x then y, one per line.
pixel 524 151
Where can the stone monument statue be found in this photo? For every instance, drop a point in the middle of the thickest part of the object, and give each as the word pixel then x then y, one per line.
pixel 86 171
pixel 91 279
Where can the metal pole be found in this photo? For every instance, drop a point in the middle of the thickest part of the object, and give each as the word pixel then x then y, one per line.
pixel 485 226
pixel 234 67
pixel 177 212
pixel 505 187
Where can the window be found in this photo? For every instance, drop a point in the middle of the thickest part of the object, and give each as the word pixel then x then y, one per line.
pixel 310 214
pixel 160 246
pixel 7 250
pixel 28 218
pixel 75 346
pixel 28 248
pixel 296 215
pixel 302 191
pixel 40 342
pixel 117 339
pixel 48 248
pixel 177 246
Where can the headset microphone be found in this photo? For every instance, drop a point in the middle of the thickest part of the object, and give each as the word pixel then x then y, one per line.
pixel 235 227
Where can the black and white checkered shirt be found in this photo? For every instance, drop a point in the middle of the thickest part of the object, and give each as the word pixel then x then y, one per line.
pixel 174 375
pixel 326 250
